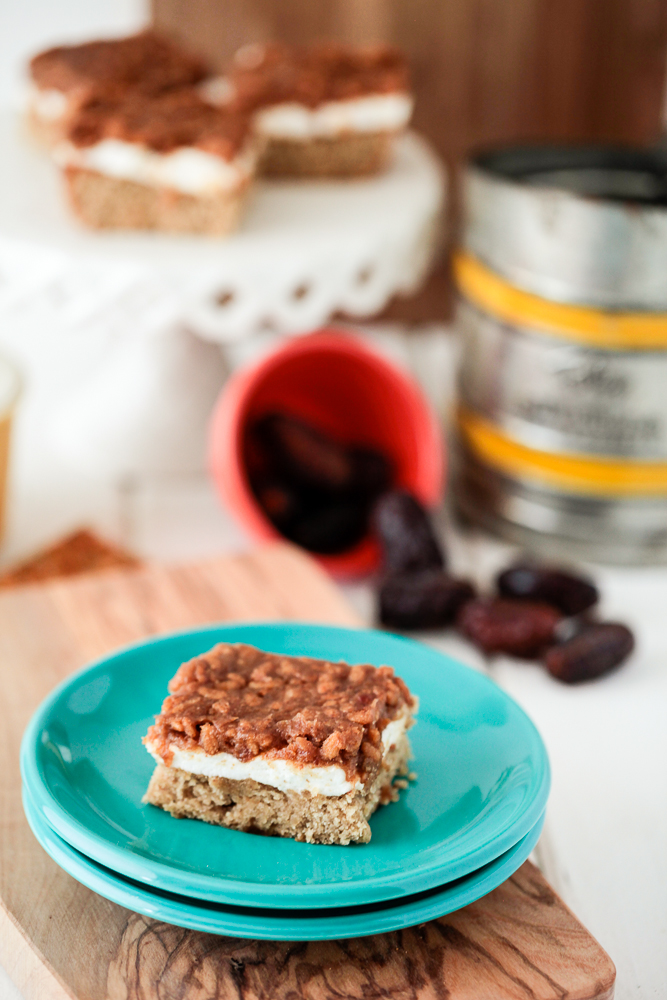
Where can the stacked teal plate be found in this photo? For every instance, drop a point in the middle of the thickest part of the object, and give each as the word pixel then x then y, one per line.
pixel 464 826
pixel 279 925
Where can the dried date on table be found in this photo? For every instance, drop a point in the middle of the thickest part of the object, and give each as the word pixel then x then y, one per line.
pixel 425 599
pixel 570 593
pixel 405 532
pixel 499 625
pixel 592 652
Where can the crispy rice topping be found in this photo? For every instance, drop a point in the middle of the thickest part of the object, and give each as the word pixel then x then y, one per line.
pixel 146 60
pixel 262 75
pixel 161 122
pixel 239 700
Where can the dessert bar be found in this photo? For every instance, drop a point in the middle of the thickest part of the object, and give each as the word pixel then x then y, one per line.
pixel 168 161
pixel 62 78
pixel 283 745
pixel 327 110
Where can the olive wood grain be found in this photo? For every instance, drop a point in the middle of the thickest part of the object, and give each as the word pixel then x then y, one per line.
pixel 60 940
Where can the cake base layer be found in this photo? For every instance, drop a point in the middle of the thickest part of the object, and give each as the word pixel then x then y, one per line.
pixel 104 202
pixel 254 807
pixel 350 155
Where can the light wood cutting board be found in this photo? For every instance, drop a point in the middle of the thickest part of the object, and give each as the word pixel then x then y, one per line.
pixel 58 939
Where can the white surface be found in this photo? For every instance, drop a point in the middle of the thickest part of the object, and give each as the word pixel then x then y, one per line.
pixel 105 403
pixel 10 384
pixel 604 845
pixel 305 250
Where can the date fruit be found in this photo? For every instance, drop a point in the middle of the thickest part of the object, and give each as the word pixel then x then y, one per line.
pixel 303 454
pixel 500 625
pixel 372 472
pixel 425 599
pixel 571 594
pixel 592 652
pixel 316 491
pixel 279 502
pixel 406 535
pixel 329 528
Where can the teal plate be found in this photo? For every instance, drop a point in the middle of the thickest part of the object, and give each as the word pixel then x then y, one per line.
pixel 482 786
pixel 279 925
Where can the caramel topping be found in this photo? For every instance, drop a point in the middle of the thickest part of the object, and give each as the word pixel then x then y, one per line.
pixel 146 60
pixel 161 122
pixel 239 700
pixel 273 74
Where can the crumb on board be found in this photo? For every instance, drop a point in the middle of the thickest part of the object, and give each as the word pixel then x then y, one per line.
pixel 82 551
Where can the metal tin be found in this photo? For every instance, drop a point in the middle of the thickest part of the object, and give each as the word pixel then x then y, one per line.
pixel 563 404
pixel 582 224
pixel 559 396
pixel 544 520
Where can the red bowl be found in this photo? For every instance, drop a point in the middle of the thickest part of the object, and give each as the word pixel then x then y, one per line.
pixel 344 387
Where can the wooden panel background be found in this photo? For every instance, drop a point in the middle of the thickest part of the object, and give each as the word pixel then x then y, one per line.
pixel 485 71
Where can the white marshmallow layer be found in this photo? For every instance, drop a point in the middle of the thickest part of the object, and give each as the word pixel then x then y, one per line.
pixel 48 104
pixel 329 780
pixel 188 169
pixel 374 113
pixel 291 120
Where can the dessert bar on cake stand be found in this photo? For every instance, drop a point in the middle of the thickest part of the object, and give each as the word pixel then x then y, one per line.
pixel 96 317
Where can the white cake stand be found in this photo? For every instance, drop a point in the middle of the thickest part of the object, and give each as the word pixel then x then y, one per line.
pixel 305 250
pixel 98 319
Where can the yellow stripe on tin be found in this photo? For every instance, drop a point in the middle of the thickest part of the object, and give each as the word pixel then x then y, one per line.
pixel 621 331
pixel 569 473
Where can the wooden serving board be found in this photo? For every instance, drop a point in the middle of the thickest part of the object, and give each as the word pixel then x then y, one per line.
pixel 59 939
